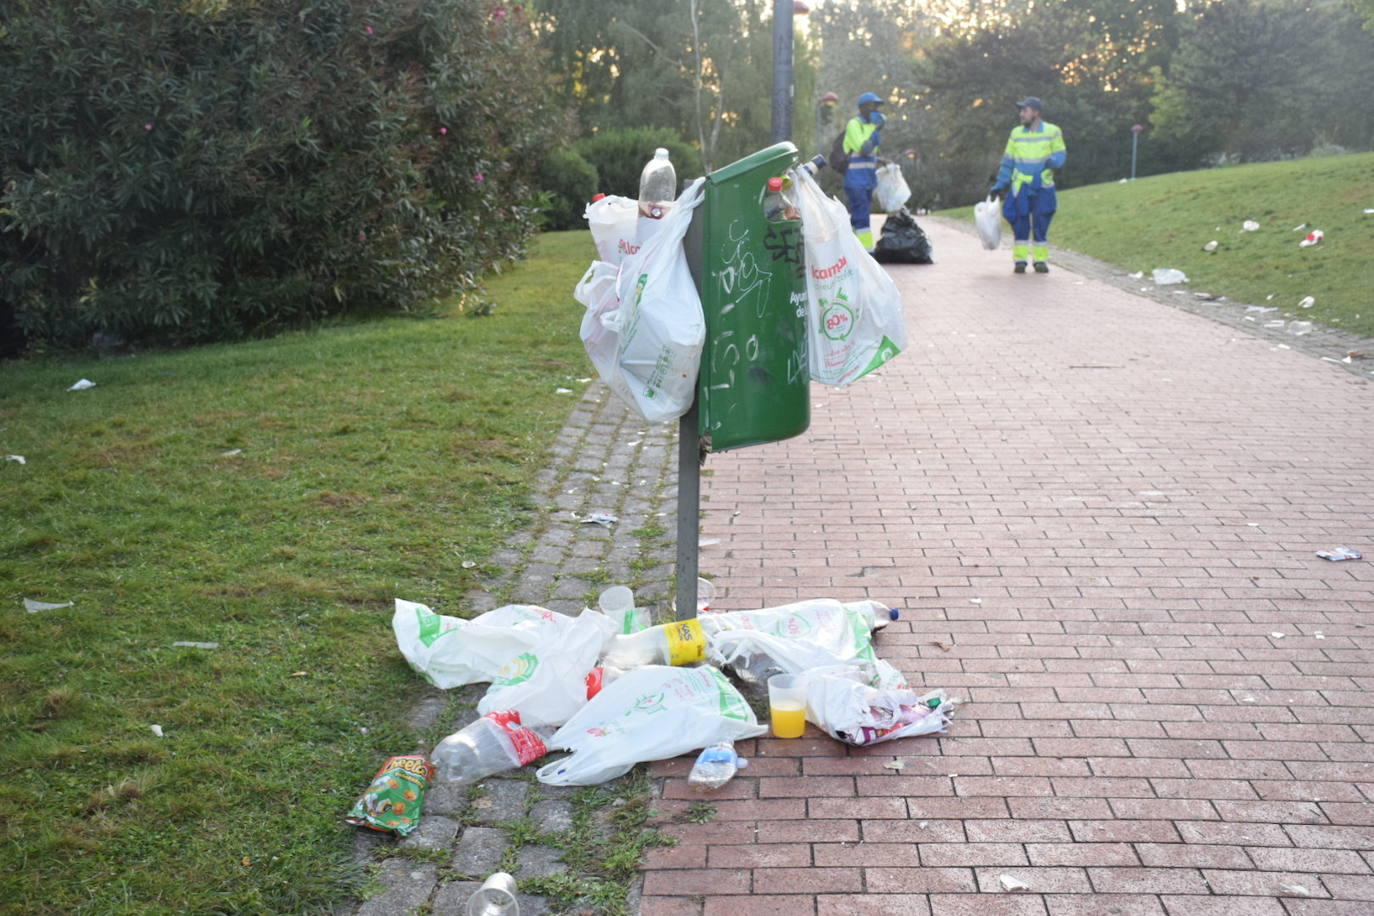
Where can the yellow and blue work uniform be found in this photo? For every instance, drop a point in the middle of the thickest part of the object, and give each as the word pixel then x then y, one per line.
pixel 861 143
pixel 1027 169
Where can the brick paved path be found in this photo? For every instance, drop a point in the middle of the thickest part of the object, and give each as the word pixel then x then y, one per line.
pixel 1100 515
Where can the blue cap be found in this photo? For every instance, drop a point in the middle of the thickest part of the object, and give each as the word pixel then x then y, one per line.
pixel 894 614
pixel 1031 101
pixel 869 97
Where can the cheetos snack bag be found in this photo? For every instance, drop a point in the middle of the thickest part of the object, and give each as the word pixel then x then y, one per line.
pixel 393 801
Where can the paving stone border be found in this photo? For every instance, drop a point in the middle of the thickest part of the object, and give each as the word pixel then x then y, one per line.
pixel 604 461
pixel 1329 344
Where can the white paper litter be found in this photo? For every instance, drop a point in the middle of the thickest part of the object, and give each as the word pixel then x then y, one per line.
pixel 1210 246
pixel 1300 228
pixel 600 518
pixel 156 730
pixel 197 645
pixel 1012 884
pixel 231 453
pixel 1277 635
pixel 33 607
pixel 82 385
pixel 562 391
pixel 895 764
pixel 1307 302
pixel 1168 276
pixel 1249 226
pixel 18 458
pixel 1296 889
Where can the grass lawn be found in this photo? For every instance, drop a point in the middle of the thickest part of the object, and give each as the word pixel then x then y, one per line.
pixel 1165 220
pixel 272 497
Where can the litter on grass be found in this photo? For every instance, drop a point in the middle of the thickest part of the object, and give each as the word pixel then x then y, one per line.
pixel 1249 226
pixel 33 607
pixel 1168 276
pixel 197 645
pixel 1312 238
pixel 82 385
pixel 156 730
pixel 1210 246
pixel 1307 302
pixel 18 458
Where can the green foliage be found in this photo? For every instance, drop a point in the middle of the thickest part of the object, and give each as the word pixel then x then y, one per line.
pixel 1242 84
pixel 619 156
pixel 571 182
pixel 375 460
pixel 189 171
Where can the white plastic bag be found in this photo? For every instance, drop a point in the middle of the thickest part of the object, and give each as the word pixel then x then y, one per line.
pixel 796 638
pixel 614 224
pixel 650 713
pixel 854 312
pixel 662 327
pixel 893 191
pixel 987 216
pixel 600 331
pixel 841 705
pixel 547 682
pixel 450 652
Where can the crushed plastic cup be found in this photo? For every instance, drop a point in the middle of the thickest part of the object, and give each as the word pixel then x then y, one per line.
pixel 1312 238
pixel 1210 246
pixel 1299 328
pixel 1168 276
pixel 1307 302
pixel 496 897
pixel 787 705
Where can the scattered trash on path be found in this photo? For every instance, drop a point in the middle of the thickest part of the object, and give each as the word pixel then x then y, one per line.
pixel 82 385
pixel 895 763
pixel 1295 889
pixel 1335 555
pixel 600 518
pixel 197 645
pixel 33 607
pixel 1262 308
pixel 393 801
pixel 1299 328
pixel 1168 276
pixel 1306 302
pixel 492 744
pixel 1313 238
pixel 1138 275
pixel 1012 884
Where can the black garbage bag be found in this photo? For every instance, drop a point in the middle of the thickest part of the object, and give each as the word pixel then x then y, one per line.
pixel 902 242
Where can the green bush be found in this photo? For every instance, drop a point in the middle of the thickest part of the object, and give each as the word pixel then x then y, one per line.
pixel 619 156
pixel 189 170
pixel 570 181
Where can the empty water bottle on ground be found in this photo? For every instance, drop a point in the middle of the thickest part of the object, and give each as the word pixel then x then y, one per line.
pixel 680 643
pixel 492 744
pixel 715 766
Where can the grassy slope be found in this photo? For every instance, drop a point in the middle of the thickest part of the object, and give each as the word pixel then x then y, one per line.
pixel 1164 220
pixel 376 458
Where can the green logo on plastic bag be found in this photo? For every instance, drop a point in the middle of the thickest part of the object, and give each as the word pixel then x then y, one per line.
pixel 886 350
pixel 837 318
pixel 516 671
pixel 648 704
pixel 732 705
pixel 431 625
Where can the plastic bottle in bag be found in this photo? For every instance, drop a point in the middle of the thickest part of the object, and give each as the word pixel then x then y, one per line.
pixel 492 744
pixel 779 203
pixel 679 643
pixel 657 191
pixel 715 766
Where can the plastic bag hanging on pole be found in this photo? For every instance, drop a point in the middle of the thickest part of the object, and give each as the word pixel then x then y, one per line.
pixel 661 325
pixel 854 312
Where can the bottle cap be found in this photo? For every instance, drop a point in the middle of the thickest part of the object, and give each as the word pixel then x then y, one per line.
pixel 894 614
pixel 597 197
pixel 775 184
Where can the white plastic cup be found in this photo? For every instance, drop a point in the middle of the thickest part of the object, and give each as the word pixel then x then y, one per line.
pixel 787 705
pixel 617 598
pixel 496 897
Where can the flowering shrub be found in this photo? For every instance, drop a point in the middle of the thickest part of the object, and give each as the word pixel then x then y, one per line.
pixel 191 170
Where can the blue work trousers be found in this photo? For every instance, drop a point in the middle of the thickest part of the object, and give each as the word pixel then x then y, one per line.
pixel 860 203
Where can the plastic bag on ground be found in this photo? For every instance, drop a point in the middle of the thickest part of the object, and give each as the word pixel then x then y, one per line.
pixel 987 217
pixel 614 223
pixel 492 744
pixel 854 312
pixel 450 652
pixel 892 190
pixel 902 241
pixel 795 638
pixel 841 705
pixel 651 713
pixel 547 682
pixel 661 326
pixel 1168 276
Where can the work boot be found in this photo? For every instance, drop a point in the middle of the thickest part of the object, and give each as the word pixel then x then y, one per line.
pixel 1041 267
pixel 1020 267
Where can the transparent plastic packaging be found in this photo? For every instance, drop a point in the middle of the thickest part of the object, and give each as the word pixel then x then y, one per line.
pixel 715 766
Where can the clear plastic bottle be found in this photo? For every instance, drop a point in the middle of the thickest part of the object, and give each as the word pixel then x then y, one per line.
pixel 779 203
pixel 657 185
pixel 680 643
pixel 715 766
pixel 492 744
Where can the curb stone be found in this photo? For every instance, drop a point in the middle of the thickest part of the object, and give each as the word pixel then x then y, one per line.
pixel 604 460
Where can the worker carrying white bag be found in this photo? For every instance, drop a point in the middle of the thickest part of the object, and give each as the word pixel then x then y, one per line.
pixel 987 217
pixel 854 312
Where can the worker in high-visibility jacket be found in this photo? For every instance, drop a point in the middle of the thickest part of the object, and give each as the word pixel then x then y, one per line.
pixel 861 143
pixel 1034 150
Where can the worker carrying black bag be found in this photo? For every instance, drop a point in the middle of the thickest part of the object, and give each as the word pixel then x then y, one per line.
pixel 903 242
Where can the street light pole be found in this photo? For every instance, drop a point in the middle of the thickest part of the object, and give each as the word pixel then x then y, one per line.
pixel 782 70
pixel 1136 131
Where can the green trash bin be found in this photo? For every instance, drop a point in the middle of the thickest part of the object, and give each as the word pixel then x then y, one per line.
pixel 754 383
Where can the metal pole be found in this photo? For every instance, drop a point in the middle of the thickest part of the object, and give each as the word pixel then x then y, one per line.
pixel 1135 141
pixel 689 459
pixel 782 70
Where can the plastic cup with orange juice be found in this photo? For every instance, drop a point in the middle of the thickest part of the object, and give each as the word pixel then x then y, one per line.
pixel 787 705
